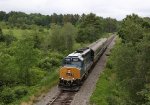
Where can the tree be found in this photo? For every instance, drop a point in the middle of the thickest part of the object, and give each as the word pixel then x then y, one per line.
pixel 69 32
pixel 26 58
pixel 131 30
pixel 1 36
pixel 132 59
pixel 8 70
pixel 62 38
pixel 143 69
pixel 110 25
pixel 89 29
pixel 2 15
pixel 54 18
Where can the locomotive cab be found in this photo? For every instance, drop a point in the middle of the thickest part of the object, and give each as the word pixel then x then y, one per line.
pixel 70 72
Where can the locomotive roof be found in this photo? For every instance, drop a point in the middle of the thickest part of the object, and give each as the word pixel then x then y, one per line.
pixel 78 55
pixel 74 54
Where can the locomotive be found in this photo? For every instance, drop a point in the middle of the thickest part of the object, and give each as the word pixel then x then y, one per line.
pixel 76 66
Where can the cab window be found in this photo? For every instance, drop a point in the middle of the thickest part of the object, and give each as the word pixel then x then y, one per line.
pixel 67 61
pixel 72 62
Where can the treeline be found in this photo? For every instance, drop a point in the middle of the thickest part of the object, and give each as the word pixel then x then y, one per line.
pixel 27 21
pixel 132 59
pixel 21 19
pixel 126 78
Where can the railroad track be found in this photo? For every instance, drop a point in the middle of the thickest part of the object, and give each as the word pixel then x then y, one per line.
pixel 63 98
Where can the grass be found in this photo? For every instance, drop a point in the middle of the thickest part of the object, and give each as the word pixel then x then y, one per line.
pixel 105 35
pixel 18 33
pixel 104 88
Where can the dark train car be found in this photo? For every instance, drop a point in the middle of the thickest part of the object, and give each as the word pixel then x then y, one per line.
pixel 76 65
pixel 98 48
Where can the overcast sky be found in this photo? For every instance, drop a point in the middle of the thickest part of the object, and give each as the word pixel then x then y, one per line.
pixel 105 8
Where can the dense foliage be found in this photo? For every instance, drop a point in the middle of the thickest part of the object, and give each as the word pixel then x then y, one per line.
pixel 24 63
pixel 64 36
pixel 128 68
pixel 92 27
pixel 23 20
pixel 133 59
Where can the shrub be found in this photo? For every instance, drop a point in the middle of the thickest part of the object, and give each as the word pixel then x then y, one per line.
pixel 36 75
pixel 45 64
pixel 109 64
pixel 54 62
pixel 41 30
pixel 7 95
pixel 20 91
pixel 9 39
pixel 49 62
pixel 55 55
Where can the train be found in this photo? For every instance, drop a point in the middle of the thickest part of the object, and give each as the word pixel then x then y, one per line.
pixel 77 65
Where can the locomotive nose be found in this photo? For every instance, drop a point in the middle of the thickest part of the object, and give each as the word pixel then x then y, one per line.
pixel 69 73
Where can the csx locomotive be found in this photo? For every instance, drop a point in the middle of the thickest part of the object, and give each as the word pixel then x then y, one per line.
pixel 76 65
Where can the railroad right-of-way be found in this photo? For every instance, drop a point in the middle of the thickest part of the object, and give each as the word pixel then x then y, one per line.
pixel 57 97
pixel 83 96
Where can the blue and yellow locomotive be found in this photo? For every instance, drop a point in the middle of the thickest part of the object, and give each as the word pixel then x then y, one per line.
pixel 76 65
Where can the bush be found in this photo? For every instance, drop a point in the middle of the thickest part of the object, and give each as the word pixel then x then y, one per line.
pixel 41 29
pixel 36 75
pixel 45 64
pixel 109 64
pixel 56 55
pixel 54 62
pixel 48 63
pixel 20 91
pixel 9 39
pixel 7 95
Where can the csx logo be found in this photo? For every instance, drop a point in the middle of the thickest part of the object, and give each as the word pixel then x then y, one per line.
pixel 69 73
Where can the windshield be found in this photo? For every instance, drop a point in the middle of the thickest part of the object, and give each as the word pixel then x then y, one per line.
pixel 72 62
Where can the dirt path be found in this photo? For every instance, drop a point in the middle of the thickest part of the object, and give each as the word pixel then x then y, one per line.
pixel 81 97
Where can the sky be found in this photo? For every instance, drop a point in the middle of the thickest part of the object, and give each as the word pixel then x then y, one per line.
pixel 106 8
